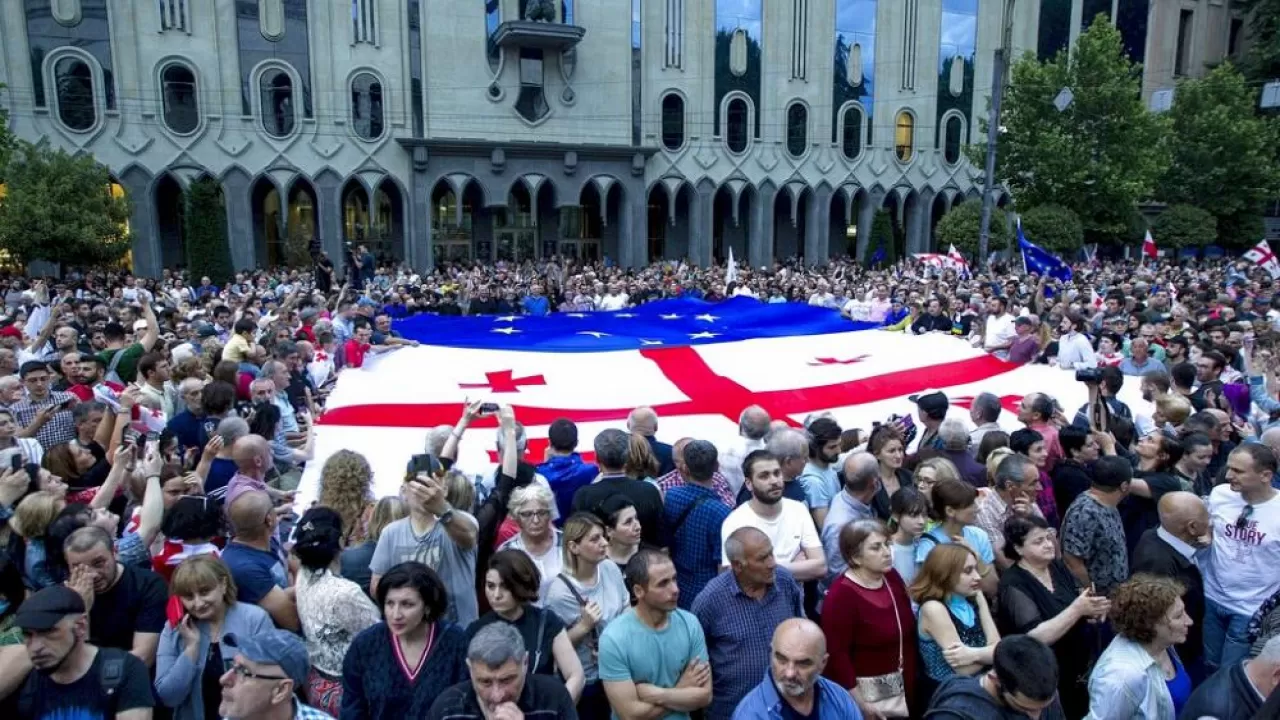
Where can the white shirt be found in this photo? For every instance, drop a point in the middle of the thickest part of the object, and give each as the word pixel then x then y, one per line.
pixel 1240 569
pixel 857 310
pixel 790 532
pixel 1074 351
pixel 999 331
pixel 613 302
pixel 821 299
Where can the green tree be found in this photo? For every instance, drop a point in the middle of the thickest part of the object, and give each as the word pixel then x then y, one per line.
pixel 1181 226
pixel 6 138
pixel 960 228
pixel 1224 156
pixel 59 208
pixel 207 250
pixel 1054 228
pixel 1262 17
pixel 1097 157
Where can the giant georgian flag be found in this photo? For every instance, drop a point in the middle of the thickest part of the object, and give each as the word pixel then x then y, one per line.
pixel 697 364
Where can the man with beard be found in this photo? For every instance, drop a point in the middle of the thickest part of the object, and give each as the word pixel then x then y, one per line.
pixel 819 478
pixel 796 544
pixel 73 678
pixel 128 608
pixel 794 686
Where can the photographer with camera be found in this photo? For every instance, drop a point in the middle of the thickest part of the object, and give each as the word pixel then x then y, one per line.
pixel 1104 385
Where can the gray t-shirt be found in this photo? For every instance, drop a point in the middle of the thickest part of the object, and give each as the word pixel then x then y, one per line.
pixel 609 592
pixel 436 550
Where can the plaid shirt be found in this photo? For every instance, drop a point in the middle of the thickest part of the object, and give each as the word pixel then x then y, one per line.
pixel 60 429
pixel 306 712
pixel 719 483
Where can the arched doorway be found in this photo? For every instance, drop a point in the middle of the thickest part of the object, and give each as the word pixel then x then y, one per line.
pixel 547 217
pixel 386 222
pixel 938 209
pixel 843 218
pixel 515 231
pixel 789 222
pixel 732 223
pixel 171 212
pixel 893 205
pixel 355 212
pixel 457 236
pixel 301 240
pixel 268 223
pixel 669 221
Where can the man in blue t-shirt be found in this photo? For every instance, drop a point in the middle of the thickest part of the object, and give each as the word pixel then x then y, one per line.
pixel 256 561
pixel 654 656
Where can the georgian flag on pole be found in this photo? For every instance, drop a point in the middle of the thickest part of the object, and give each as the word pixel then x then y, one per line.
pixel 1149 246
pixel 697 364
pixel 961 265
pixel 1261 255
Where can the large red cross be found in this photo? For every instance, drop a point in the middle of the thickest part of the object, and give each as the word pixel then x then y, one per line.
pixel 503 382
pixel 708 393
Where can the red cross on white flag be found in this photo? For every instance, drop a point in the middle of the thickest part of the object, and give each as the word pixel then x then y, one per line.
pixel 1261 255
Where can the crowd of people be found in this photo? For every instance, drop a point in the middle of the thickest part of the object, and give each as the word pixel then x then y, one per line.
pixel 1113 561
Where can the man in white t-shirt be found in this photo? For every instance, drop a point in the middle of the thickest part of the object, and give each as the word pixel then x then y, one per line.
pixel 796 543
pixel 999 332
pixel 1240 569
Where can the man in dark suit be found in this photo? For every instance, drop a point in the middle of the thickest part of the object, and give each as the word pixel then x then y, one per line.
pixel 1167 551
pixel 644 421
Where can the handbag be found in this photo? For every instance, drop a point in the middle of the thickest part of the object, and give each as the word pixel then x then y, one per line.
pixel 887 694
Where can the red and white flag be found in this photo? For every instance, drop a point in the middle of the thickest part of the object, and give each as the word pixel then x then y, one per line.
pixel 1149 246
pixel 958 261
pixel 1262 256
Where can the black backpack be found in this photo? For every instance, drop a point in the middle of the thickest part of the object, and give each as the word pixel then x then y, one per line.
pixel 110 677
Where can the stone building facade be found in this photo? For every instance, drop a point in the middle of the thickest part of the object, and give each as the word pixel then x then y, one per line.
pixel 510 129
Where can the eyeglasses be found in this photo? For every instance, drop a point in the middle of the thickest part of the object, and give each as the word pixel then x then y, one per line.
pixel 244 673
pixel 533 514
pixel 1245 514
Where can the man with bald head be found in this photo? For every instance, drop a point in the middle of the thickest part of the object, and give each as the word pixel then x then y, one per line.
pixel 738 611
pixel 643 421
pixel 252 456
pixel 256 558
pixel 852 503
pixel 1169 550
pixel 794 686
pixel 753 425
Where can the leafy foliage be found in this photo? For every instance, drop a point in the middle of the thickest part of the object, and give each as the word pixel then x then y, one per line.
pixel 1262 18
pixel 1183 226
pixel 59 208
pixel 1100 155
pixel 206 232
pixel 6 138
pixel 960 228
pixel 1224 154
pixel 1054 228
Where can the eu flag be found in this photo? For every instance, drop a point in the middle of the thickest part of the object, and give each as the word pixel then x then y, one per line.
pixel 1041 261
pixel 878 256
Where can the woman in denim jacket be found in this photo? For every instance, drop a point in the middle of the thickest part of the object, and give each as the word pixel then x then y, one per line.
pixel 1139 676
pixel 189 660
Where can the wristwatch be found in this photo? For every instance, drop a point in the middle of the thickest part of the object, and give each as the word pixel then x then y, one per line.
pixel 446 517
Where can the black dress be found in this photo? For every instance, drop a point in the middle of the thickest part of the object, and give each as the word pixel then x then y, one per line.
pixel 1025 603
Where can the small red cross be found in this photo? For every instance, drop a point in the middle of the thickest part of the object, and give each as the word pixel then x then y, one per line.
pixel 503 382
pixel 1011 403
pixel 833 361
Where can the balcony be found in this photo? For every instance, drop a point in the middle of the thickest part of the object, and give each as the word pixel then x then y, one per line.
pixel 530 34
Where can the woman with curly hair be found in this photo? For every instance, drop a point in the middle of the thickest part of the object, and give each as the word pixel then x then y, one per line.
pixel 346 486
pixel 1139 676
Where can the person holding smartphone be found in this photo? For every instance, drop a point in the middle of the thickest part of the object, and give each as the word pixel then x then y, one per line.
pixel 43 411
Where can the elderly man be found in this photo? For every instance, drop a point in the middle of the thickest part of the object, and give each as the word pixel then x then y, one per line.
pixel 794 686
pixel 643 421
pixel 252 686
pixel 1169 550
pixel 500 687
pixel 128 602
pixel 1017 482
pixel 1240 689
pixel 65 667
pixel 953 444
pixel 1140 360
pixel 753 426
pixel 861 483
pixel 739 610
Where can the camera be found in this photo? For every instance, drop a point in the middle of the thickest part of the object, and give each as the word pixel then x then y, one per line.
pixel 1089 376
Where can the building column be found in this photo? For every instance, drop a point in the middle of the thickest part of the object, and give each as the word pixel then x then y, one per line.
pixel 143 233
pixel 418 243
pixel 241 235
pixel 329 216
pixel 817 236
pixel 760 239
pixel 916 242
pixel 702 230
pixel 866 214
pixel 634 234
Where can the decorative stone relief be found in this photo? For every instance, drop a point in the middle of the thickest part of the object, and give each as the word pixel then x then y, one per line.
pixel 637 165
pixel 233 142
pixel 498 161
pixel 271 19
pixel 767 158
pixel 66 12
pixel 735 186
pixel 131 139
pixel 955 83
pixel 706 157
pixel 570 162
pixel 825 160
pixel 326 146
pixel 853 65
pixel 421 158
pixel 738 53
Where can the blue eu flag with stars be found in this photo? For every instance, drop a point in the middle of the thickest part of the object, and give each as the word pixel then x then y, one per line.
pixel 1041 261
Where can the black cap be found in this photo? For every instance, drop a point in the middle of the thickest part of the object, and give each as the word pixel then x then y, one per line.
pixel 47 607
pixel 206 330
pixel 933 403
pixel 1023 320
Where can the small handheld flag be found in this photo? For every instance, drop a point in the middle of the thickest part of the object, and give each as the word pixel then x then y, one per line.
pixel 1262 256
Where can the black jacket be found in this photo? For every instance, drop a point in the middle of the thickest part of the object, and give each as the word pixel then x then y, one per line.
pixel 1070 478
pixel 543 698
pixel 927 322
pixel 1226 694
pixel 1153 555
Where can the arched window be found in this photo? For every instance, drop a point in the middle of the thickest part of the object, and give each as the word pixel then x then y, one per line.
pixel 366 106
pixel 797 129
pixel 904 137
pixel 278 116
pixel 951 138
pixel 77 108
pixel 736 118
pixel 851 132
pixel 181 108
pixel 672 121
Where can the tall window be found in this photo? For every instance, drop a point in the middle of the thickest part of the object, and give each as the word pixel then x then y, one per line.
pixel 77 108
pixel 366 106
pixel 364 19
pixel 851 132
pixel 1182 61
pixel 672 121
pixel 736 119
pixel 952 137
pixel 904 136
pixel 278 114
pixel 173 14
pixel 797 129
pixel 181 107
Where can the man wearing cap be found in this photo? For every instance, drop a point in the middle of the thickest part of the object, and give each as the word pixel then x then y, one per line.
pixel 500 688
pixel 932 410
pixel 1025 345
pixel 267 670
pixel 72 678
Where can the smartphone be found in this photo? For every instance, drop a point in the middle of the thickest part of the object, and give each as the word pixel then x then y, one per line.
pixel 15 461
pixel 489 408
pixel 424 463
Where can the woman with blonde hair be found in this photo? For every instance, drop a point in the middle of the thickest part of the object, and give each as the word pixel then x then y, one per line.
pixel 641 464
pixel 189 659
pixel 345 486
pixel 31 520
pixel 957 632
pixel 355 560
pixel 932 471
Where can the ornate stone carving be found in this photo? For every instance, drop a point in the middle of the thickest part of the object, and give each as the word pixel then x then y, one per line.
pixel 67 12
pixel 540 11
pixel 570 162
pixel 955 82
pixel 738 53
pixel 498 161
pixel 271 19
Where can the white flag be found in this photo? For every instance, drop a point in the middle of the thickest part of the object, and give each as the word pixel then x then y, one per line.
pixel 732 274
pixel 1261 255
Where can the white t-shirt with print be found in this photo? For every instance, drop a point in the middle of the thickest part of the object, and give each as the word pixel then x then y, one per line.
pixel 1240 571
pixel 791 531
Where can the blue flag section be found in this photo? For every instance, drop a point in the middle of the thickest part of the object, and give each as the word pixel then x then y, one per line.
pixel 1041 261
pixel 666 323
